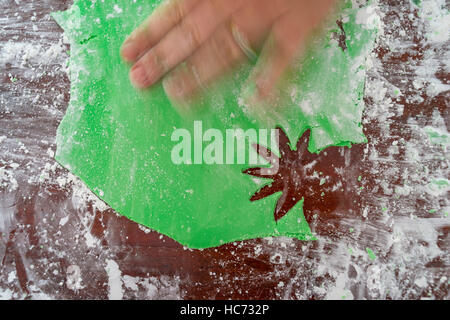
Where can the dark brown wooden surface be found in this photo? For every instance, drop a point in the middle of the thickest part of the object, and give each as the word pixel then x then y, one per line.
pixel 58 241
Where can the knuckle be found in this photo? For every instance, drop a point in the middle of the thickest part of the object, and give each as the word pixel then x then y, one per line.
pixel 143 33
pixel 156 62
pixel 225 48
pixel 192 32
pixel 179 11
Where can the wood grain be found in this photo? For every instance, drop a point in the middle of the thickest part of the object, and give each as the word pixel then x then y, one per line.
pixel 49 223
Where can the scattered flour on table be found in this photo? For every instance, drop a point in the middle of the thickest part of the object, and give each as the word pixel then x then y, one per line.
pixel 343 272
pixel 114 280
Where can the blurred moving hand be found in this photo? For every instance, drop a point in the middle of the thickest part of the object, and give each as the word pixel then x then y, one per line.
pixel 193 42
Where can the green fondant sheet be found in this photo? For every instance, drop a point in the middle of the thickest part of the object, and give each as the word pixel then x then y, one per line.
pixel 118 139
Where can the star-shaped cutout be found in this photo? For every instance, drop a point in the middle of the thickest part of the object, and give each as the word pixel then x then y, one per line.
pixel 298 174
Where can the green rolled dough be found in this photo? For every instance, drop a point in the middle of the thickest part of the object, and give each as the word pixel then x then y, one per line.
pixel 118 140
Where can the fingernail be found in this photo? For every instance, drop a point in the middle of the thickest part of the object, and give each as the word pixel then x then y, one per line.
pixel 129 51
pixel 139 77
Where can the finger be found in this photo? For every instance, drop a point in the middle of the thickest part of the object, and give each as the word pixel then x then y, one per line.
pixel 221 52
pixel 182 41
pixel 218 55
pixel 150 32
pixel 257 17
pixel 285 44
pixel 277 54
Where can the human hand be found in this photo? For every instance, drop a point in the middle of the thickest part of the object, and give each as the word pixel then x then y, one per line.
pixel 194 42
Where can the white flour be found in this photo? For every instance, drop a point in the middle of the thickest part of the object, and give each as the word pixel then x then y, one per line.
pixel 407 240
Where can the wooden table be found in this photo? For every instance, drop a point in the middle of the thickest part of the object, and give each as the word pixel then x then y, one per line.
pixel 58 241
